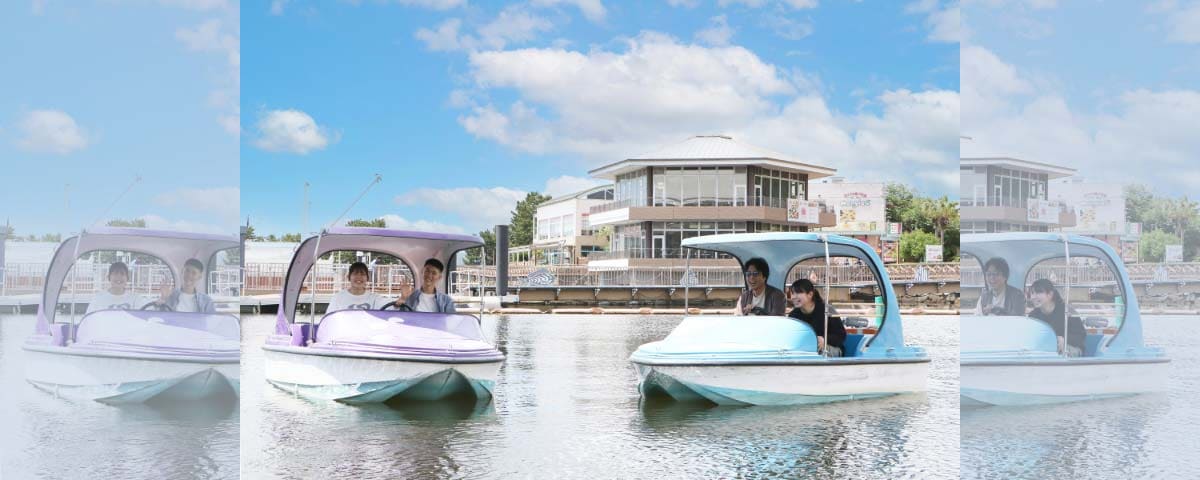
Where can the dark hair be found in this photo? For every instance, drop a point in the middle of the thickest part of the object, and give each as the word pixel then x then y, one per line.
pixel 196 264
pixel 761 265
pixel 435 263
pixel 1043 285
pixel 804 285
pixel 1000 265
pixel 358 266
pixel 118 267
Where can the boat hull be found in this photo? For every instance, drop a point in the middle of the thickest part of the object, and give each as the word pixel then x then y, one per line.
pixel 362 379
pixel 782 384
pixel 1058 380
pixel 118 378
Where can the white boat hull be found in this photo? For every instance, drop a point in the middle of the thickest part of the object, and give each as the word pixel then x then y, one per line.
pixel 1067 380
pixel 117 379
pixel 782 384
pixel 351 379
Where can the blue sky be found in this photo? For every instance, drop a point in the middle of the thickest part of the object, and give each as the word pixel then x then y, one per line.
pixel 464 107
pixel 96 93
pixel 1111 89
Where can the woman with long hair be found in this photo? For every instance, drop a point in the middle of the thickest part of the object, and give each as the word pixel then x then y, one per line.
pixel 1049 307
pixel 810 308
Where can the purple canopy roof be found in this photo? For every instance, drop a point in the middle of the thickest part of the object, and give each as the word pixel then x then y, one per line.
pixel 411 247
pixel 174 248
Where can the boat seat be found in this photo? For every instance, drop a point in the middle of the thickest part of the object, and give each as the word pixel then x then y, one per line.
pixel 853 342
pixel 1091 344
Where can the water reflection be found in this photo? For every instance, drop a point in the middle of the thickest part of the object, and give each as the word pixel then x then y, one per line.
pixel 49 437
pixel 567 406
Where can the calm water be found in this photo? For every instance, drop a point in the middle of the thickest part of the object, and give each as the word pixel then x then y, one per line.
pixel 42 436
pixel 567 406
pixel 1145 436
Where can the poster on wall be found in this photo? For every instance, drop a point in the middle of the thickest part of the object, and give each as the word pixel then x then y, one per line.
pixel 858 207
pixel 803 211
pixel 1129 252
pixel 933 253
pixel 1099 207
pixel 1041 211
pixel 1174 254
pixel 889 252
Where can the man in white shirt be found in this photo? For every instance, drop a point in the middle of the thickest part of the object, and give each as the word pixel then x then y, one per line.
pixel 428 299
pixel 116 297
pixel 356 296
pixel 187 298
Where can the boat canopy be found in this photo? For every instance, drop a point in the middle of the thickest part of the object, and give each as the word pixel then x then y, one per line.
pixel 783 250
pixel 412 248
pixel 174 248
pixel 1024 250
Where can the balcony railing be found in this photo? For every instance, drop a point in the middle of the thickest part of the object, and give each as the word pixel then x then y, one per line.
pixel 705 202
pixel 641 253
pixel 997 201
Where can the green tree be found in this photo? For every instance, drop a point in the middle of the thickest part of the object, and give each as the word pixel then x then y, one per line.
pixel 523 218
pixel 489 247
pixel 912 245
pixel 290 237
pixel 135 223
pixel 941 214
pixel 7 230
pixel 271 238
pixel 1139 200
pixel 1153 245
pixel 250 234
pixel 376 223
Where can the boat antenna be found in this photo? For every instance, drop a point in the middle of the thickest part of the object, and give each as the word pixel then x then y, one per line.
pixel 378 178
pixel 79 240
pixel 1067 301
pixel 825 308
pixel 687 278
pixel 312 306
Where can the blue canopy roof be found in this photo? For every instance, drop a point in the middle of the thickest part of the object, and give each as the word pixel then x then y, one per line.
pixel 783 250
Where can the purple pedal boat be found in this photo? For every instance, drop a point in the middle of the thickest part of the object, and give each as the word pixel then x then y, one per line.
pixel 131 356
pixel 368 356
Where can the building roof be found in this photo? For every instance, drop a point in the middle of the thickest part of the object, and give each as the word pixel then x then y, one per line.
pixel 1051 171
pixel 711 150
pixel 582 194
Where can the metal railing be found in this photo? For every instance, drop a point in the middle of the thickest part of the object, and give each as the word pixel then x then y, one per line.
pixel 998 201
pixel 86 278
pixel 268 278
pixel 769 202
pixel 641 253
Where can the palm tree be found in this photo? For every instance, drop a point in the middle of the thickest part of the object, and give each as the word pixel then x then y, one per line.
pixel 942 213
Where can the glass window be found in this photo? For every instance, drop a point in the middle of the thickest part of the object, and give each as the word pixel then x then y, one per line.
pixel 708 189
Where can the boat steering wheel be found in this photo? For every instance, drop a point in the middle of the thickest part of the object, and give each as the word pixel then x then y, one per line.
pixel 158 306
pixel 403 307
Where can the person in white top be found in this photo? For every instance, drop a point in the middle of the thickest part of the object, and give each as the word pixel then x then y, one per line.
pixel 356 296
pixel 187 298
pixel 116 297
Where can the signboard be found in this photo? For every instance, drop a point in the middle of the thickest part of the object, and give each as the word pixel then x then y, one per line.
pixel 803 211
pixel 1041 211
pixel 894 229
pixel 889 252
pixel 859 207
pixel 933 253
pixel 1174 254
pixel 1099 207
pixel 1133 230
pixel 1129 252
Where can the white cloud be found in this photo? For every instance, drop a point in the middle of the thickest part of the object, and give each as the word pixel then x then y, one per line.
pixel 603 106
pixel 787 28
pixel 796 4
pixel 513 25
pixel 567 184
pixel 684 3
pixel 160 223
pixel 476 207
pixel 401 223
pixel 944 21
pixel 38 7
pixel 51 131
pixel 222 202
pixel 212 36
pixel 718 34
pixel 291 131
pixel 592 9
pixel 277 6
pixel 1143 136
pixel 1183 24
